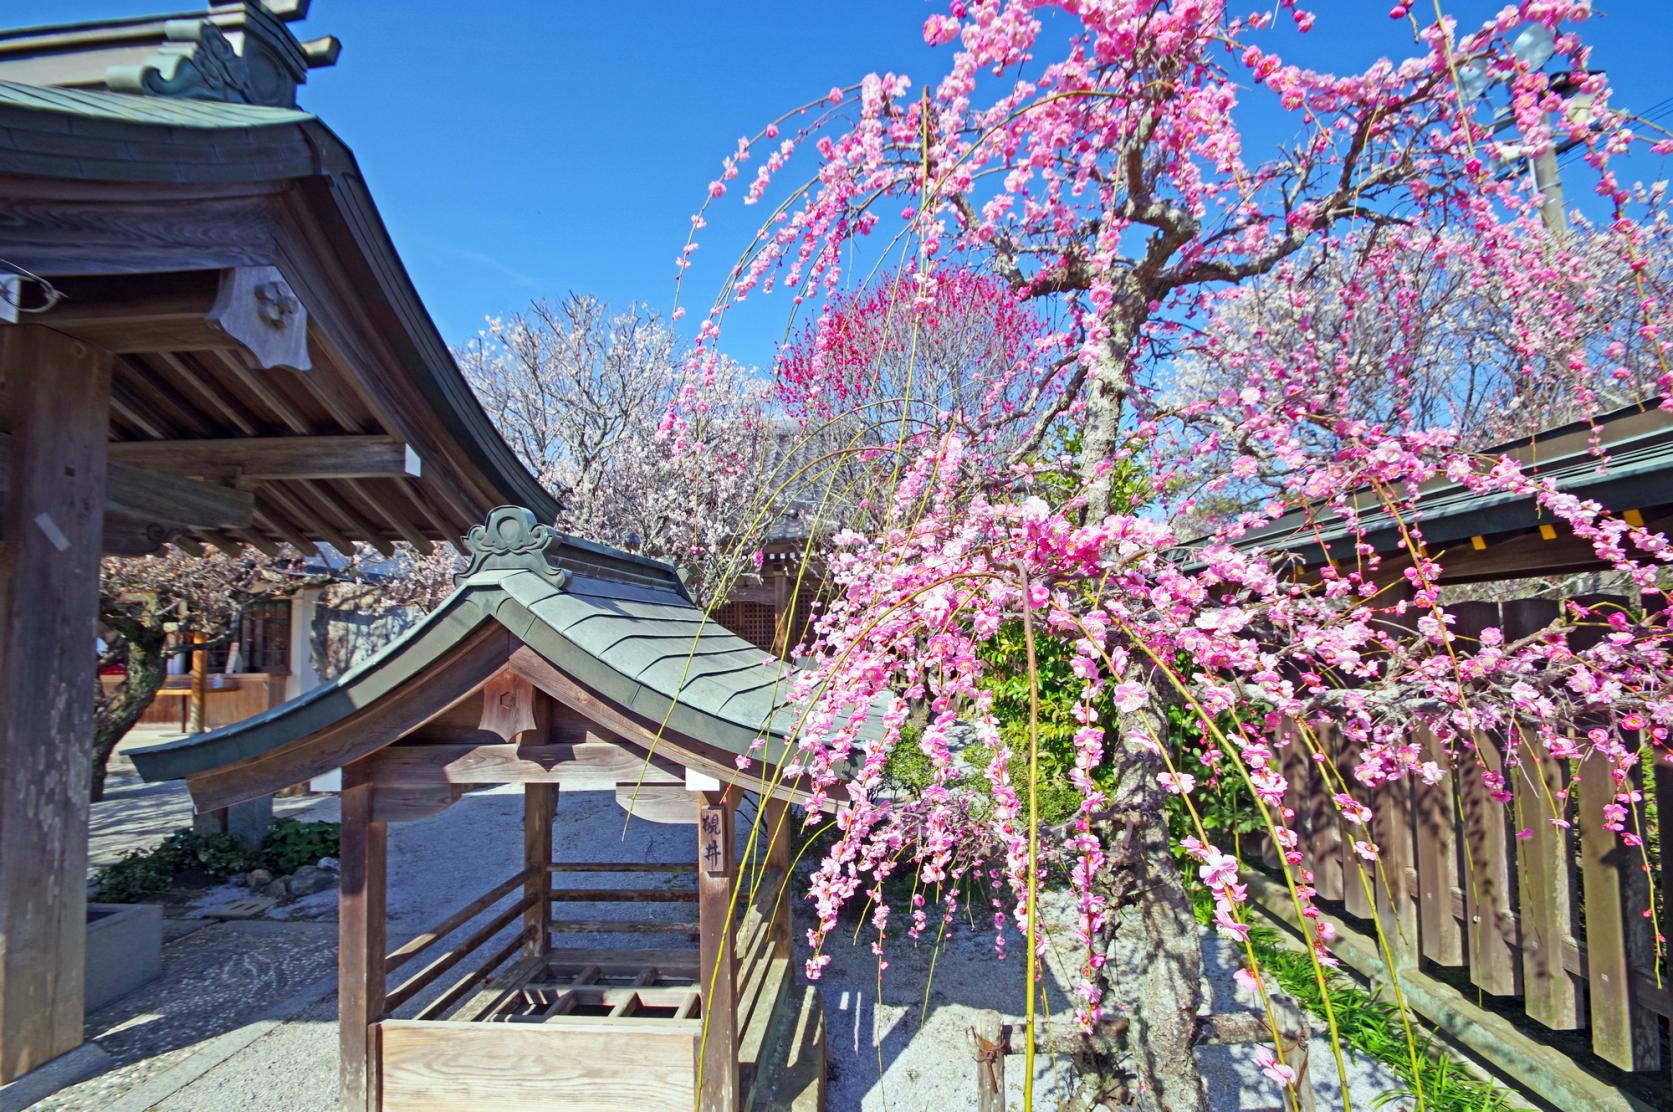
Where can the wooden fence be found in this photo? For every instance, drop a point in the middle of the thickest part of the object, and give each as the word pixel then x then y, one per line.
pixel 1548 921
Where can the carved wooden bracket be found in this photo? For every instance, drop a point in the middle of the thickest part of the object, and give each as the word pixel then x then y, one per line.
pixel 254 305
pixel 508 706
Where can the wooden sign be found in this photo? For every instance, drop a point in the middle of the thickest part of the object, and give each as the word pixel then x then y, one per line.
pixel 711 841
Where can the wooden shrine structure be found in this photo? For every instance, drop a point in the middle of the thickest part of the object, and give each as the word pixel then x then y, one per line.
pixel 1482 915
pixel 1482 537
pixel 206 338
pixel 555 665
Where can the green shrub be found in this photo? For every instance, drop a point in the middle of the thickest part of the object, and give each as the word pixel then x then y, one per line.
pixel 291 844
pixel 144 874
pixel 139 875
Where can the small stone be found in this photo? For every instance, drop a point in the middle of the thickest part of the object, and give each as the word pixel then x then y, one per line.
pixel 244 907
pixel 258 878
pixel 310 879
pixel 278 888
pixel 331 864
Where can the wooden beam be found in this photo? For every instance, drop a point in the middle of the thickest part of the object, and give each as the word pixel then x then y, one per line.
pixel 400 804
pixel 580 766
pixel 54 399
pixel 247 307
pixel 453 677
pixel 718 1080
pixel 661 802
pixel 166 500
pixel 361 926
pixel 172 500
pixel 275 457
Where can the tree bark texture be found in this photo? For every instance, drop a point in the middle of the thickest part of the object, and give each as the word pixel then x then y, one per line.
pixel 147 667
pixel 1162 985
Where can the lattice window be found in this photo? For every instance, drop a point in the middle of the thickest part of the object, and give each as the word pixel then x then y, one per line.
pixel 753 621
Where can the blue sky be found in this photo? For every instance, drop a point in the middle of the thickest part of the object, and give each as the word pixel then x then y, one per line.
pixel 520 148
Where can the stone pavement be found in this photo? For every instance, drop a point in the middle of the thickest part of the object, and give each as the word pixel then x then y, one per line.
pixel 219 979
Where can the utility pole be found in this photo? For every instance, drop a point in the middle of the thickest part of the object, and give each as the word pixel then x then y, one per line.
pixel 1549 181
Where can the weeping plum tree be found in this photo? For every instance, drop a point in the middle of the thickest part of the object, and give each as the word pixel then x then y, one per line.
pixel 1094 161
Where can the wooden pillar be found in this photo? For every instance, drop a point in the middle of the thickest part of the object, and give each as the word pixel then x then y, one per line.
pixel 361 942
pixel 777 820
pixel 718 969
pixel 540 804
pixel 198 709
pixel 54 401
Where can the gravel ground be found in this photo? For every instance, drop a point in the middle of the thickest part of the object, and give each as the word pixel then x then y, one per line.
pixel 896 1048
pixel 899 1042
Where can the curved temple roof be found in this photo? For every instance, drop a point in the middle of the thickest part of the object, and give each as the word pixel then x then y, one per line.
pixel 635 640
pixel 1620 459
pixel 128 203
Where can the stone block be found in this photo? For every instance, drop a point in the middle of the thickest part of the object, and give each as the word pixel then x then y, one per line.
pixel 124 949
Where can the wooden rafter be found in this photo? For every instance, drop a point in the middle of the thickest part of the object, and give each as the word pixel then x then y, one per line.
pixel 274 457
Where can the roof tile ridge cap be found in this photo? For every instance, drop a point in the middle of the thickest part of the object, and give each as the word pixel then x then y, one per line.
pixel 582 544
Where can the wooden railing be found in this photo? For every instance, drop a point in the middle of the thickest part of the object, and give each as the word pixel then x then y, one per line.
pixel 1550 921
pixel 456 953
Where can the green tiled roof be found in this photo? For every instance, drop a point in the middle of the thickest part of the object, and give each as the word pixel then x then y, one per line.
pixel 163 111
pixel 1634 474
pixel 642 646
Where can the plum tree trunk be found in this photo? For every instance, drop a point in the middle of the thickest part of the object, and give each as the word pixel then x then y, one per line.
pixel 147 665
pixel 1161 984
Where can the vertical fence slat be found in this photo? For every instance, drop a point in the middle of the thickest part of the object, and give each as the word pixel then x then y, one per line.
pixel 1324 852
pixel 1545 885
pixel 1396 882
pixel 1491 937
pixel 1545 865
pixel 1617 934
pixel 1355 872
pixel 1490 932
pixel 1297 766
pixel 1662 781
pixel 1437 860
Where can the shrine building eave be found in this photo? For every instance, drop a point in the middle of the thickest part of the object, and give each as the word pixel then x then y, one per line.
pixel 276 377
pixel 1622 460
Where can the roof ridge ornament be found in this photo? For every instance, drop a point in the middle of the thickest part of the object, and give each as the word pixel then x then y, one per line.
pixel 238 52
pixel 512 540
